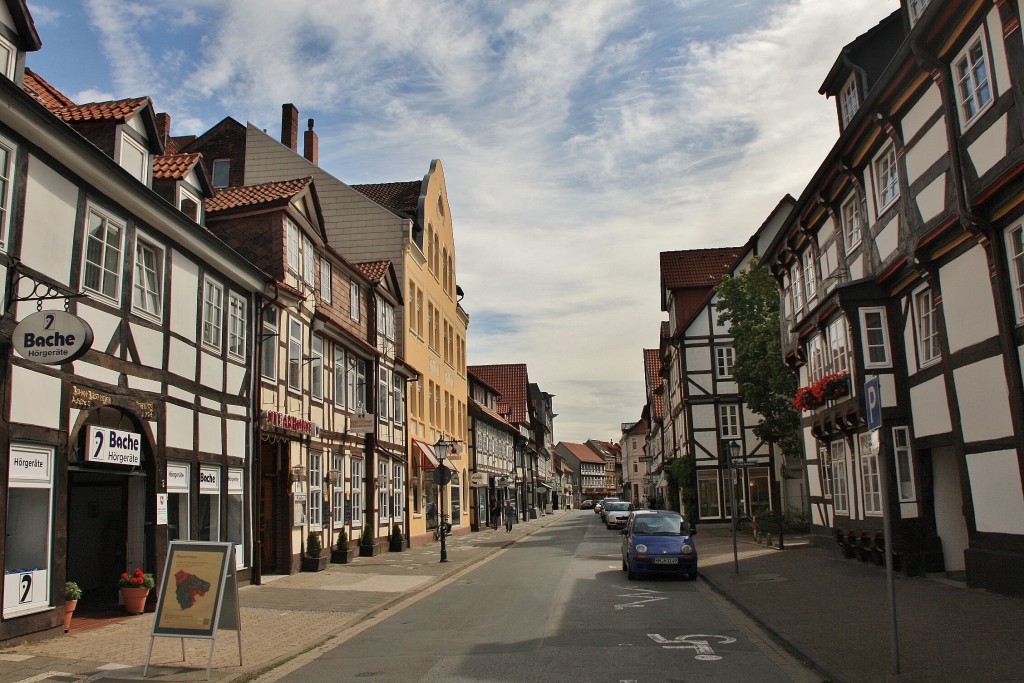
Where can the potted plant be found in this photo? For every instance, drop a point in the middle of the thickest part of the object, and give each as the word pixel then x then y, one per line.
pixel 72 593
pixel 342 552
pixel 367 543
pixel 396 542
pixel 135 587
pixel 314 559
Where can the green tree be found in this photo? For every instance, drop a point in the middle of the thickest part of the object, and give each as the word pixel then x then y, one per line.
pixel 749 302
pixel 682 476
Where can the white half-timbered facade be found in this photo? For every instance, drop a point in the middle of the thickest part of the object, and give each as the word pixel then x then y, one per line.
pixel 902 264
pixel 144 436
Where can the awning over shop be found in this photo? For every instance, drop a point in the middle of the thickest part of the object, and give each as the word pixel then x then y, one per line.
pixel 428 461
pixel 549 487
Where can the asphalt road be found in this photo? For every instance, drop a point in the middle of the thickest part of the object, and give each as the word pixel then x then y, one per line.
pixel 554 607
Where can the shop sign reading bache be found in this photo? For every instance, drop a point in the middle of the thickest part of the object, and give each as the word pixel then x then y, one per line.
pixel 52 337
pixel 289 423
pixel 113 446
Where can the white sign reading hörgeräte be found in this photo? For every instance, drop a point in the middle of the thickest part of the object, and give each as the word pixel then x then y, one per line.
pixel 52 337
pixel 113 446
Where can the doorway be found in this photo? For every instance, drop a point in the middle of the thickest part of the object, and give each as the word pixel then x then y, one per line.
pixel 273 511
pixel 948 500
pixel 98 532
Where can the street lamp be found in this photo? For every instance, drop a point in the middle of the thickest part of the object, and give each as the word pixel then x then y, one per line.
pixel 733 452
pixel 442 475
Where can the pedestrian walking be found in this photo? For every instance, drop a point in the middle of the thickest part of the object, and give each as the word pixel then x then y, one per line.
pixel 510 515
pixel 495 514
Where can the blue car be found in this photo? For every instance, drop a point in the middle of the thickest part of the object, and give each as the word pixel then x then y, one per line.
pixel 658 542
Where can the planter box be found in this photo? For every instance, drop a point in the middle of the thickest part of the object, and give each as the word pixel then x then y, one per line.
pixel 396 546
pixel 314 564
pixel 342 556
pixel 367 550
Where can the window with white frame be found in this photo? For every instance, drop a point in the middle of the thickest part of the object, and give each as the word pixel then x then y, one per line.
pixel 816 357
pixel 294 355
pixel 840 492
pixel 189 204
pixel 973 87
pixel 149 278
pixel 887 177
pixel 316 369
pixel 353 301
pixel 825 470
pixel 797 287
pixel 270 342
pixel 221 172
pixel 325 280
pixel 236 325
pixel 839 345
pixel 904 461
pixel 338 492
pixel 916 8
pixel 870 482
pixel 8 55
pixel 382 394
pixel 103 255
pixel 848 100
pixel 1015 253
pixel 385 325
pixel 356 384
pixel 398 487
pixel 134 157
pixel 874 335
pixel 316 489
pixel 399 397
pixel 339 376
pixel 725 358
pixel 209 504
pixel 810 275
pixel 926 319
pixel 7 154
pixel 308 261
pixel 236 513
pixel 729 421
pixel 383 497
pixel 853 222
pixel 213 313
pixel 292 246
pixel 357 492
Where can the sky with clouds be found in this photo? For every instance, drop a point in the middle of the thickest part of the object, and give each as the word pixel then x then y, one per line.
pixel 579 138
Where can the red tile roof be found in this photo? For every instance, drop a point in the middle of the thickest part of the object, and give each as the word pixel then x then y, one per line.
pixel 373 270
pixel 512 382
pixel 117 110
pixel 264 194
pixel 490 413
pixel 697 267
pixel 582 452
pixel 652 370
pixel 44 93
pixel 401 198
pixel 174 166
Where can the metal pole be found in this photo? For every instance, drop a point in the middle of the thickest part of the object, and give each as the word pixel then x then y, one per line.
pixel 443 526
pixel 890 582
pixel 732 504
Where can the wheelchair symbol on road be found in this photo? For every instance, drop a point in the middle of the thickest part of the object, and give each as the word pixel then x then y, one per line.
pixel 698 642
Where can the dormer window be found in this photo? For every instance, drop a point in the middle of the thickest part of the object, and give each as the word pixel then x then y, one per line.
pixel 134 158
pixel 916 8
pixel 189 204
pixel 849 101
pixel 221 172
pixel 8 57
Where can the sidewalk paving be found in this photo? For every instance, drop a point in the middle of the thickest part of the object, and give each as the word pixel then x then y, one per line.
pixel 831 612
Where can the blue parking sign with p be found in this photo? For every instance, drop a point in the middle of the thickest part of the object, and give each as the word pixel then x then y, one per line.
pixel 873 402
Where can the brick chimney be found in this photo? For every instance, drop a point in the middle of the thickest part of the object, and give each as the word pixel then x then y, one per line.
pixel 290 126
pixel 311 145
pixel 163 128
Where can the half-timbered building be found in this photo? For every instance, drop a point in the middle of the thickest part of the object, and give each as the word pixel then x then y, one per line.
pixel 112 448
pixel 902 264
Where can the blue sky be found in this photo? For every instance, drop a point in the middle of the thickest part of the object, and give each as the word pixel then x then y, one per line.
pixel 579 138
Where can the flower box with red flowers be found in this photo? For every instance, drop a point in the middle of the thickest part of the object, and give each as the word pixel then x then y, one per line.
pixel 828 388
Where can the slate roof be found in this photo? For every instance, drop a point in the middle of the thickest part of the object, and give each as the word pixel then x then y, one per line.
pixel 697 267
pixel 582 452
pixel 373 270
pixel 174 166
pixel 264 194
pixel 652 370
pixel 512 382
pixel 401 198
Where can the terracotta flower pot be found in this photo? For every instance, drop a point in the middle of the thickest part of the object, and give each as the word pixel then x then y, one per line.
pixel 69 610
pixel 134 599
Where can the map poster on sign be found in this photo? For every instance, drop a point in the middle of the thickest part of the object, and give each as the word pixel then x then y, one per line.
pixel 192 590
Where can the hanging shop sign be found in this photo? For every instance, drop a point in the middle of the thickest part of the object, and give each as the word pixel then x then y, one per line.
pixel 478 479
pixel 289 423
pixel 362 423
pixel 52 337
pixel 113 446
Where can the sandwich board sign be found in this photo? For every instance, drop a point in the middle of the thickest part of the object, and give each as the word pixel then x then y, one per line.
pixel 198 595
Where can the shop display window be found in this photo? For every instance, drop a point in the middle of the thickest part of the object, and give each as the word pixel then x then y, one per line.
pixel 209 504
pixel 27 548
pixel 236 513
pixel 178 481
